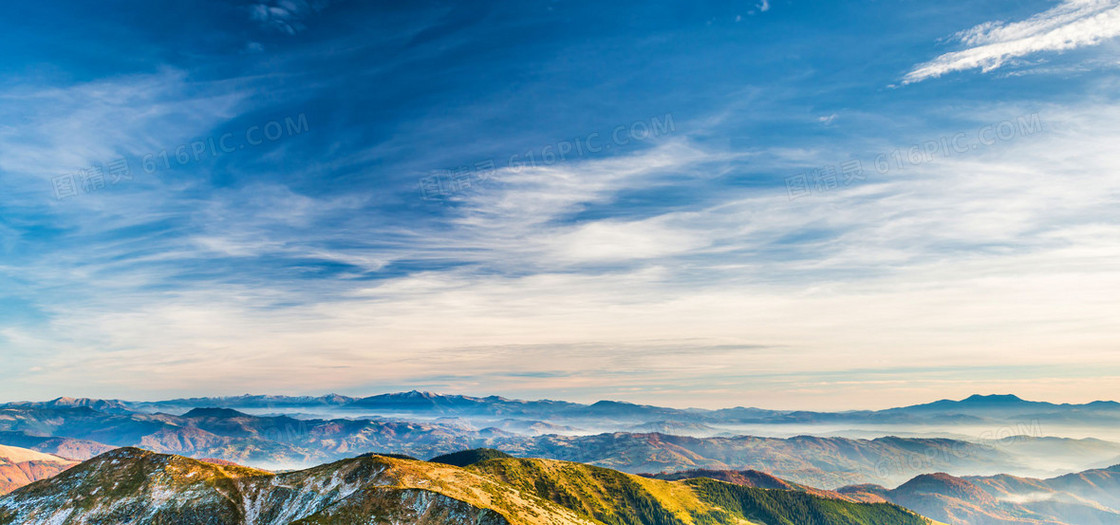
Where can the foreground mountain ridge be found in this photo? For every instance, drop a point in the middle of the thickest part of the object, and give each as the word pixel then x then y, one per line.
pixel 141 487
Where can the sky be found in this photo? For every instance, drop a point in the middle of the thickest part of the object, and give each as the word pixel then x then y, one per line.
pixel 781 204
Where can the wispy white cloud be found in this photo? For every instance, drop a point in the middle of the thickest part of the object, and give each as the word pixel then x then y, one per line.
pixel 66 128
pixel 1069 25
pixel 1004 256
pixel 670 271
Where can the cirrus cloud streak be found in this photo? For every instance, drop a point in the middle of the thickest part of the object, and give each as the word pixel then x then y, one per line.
pixel 1070 25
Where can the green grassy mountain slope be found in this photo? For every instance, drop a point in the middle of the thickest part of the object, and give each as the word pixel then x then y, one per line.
pixel 780 507
pixel 613 497
pixel 134 486
pixel 762 480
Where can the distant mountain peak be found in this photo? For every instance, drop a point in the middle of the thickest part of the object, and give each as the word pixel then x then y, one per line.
pixel 122 453
pixel 945 485
pixel 466 458
pixel 993 398
pixel 214 412
pixel 81 401
pixel 607 402
pixel 1103 403
pixel 747 478
pixel 941 477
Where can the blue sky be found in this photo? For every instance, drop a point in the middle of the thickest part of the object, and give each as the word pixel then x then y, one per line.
pixel 778 204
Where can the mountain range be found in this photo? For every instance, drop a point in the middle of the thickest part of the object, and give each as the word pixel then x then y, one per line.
pixel 1084 498
pixel 284 442
pixel 134 486
pixel 1006 477
pixel 82 428
pixel 1007 409
pixel 486 486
